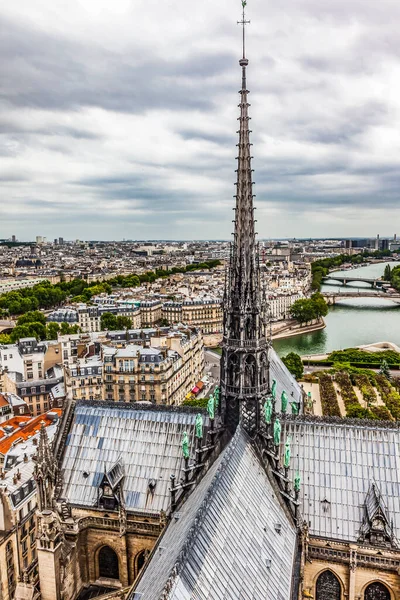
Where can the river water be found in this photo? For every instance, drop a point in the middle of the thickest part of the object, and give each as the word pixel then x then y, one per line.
pixel 351 322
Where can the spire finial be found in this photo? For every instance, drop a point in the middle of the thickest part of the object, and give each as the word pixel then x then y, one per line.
pixel 243 22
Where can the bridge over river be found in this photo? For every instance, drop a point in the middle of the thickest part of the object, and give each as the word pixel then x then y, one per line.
pixel 345 279
pixel 333 297
pixel 6 326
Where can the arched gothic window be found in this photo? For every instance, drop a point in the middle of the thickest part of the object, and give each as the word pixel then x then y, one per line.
pixel 108 563
pixel 328 587
pixel 140 560
pixel 377 591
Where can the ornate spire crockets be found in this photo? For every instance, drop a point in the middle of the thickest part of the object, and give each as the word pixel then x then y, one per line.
pixel 244 365
pixel 45 471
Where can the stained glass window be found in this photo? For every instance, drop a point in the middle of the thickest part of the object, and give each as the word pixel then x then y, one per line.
pixel 328 587
pixel 377 591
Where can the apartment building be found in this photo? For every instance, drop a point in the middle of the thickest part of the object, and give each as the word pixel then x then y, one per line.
pixel 279 304
pixel 85 378
pixel 18 525
pixel 150 312
pixel 206 314
pixel 162 372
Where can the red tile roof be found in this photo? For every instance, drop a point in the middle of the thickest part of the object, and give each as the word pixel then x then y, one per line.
pixel 22 433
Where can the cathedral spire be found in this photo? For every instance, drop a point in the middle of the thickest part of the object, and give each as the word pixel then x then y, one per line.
pixel 244 365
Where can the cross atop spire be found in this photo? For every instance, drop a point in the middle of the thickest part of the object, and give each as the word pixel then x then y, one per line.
pixel 243 22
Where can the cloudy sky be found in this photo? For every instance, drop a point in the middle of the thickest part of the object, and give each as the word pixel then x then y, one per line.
pixel 118 119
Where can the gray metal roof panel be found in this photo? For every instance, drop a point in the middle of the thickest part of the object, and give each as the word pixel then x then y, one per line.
pixel 284 380
pixel 148 441
pixel 337 464
pixel 226 536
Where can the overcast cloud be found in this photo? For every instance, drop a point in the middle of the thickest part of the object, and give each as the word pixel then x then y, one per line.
pixel 118 119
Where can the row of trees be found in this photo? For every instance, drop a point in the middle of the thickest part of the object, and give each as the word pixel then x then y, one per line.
pixel 45 295
pixel 133 280
pixel 393 276
pixel 33 324
pixel 308 309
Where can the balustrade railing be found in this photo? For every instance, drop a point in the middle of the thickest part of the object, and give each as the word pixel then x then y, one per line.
pixel 258 343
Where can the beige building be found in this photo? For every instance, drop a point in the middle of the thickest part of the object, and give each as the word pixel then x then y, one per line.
pixel 89 316
pixel 150 313
pixel 85 378
pixel 205 314
pixel 162 372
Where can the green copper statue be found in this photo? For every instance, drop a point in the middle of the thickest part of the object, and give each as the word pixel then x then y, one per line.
pixel 268 410
pixel 216 394
pixel 185 445
pixel 284 401
pixel 273 389
pixel 297 482
pixel 286 458
pixel 295 408
pixel 211 407
pixel 277 432
pixel 199 426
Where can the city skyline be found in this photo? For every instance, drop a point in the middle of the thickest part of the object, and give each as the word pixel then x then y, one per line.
pixel 111 130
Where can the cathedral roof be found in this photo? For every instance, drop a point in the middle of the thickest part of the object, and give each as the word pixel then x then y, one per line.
pixel 337 463
pixel 145 440
pixel 232 538
pixel 284 380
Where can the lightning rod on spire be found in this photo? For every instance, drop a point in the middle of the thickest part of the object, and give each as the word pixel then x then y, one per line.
pixel 243 22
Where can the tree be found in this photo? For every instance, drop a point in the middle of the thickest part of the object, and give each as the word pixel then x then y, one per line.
pixel 384 370
pixel 294 363
pixel 34 316
pixel 303 310
pixel 387 275
pixel 123 322
pixel 52 331
pixel 108 321
pixel 320 305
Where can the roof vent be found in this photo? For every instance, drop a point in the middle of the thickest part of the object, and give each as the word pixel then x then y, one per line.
pixel 268 563
pixel 278 528
pixel 177 516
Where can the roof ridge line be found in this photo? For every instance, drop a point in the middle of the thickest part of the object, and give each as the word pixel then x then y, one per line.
pixel 199 516
pixel 173 408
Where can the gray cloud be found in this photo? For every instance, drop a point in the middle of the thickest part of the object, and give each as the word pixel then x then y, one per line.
pixel 115 121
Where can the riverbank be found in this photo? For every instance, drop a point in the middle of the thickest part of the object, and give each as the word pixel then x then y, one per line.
pixel 297 329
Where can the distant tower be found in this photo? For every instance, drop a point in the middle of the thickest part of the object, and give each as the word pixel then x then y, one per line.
pixel 244 364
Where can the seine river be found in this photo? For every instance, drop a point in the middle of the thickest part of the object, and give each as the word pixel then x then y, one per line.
pixel 351 322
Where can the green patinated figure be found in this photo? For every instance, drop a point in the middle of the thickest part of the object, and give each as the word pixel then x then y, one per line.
pixel 268 410
pixel 284 401
pixel 211 407
pixel 273 389
pixel 199 426
pixel 295 408
pixel 297 482
pixel 286 459
pixel 216 393
pixel 277 432
pixel 185 445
